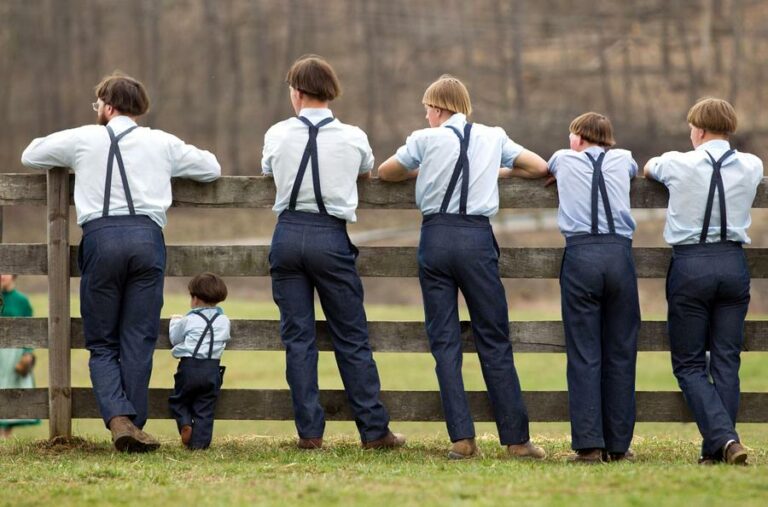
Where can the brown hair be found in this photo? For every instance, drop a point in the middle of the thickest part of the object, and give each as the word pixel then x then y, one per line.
pixel 208 287
pixel 448 93
pixel 314 76
pixel 124 93
pixel 593 128
pixel 713 115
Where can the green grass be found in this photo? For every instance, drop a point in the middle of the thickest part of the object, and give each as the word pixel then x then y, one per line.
pixel 258 471
pixel 254 462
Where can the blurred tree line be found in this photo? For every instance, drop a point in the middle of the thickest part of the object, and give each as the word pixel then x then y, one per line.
pixel 215 68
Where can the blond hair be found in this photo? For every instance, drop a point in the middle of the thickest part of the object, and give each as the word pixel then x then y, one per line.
pixel 593 128
pixel 448 93
pixel 713 115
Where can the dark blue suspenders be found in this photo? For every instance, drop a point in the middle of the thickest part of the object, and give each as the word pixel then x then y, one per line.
pixel 310 152
pixel 716 182
pixel 208 327
pixel 598 184
pixel 114 153
pixel 461 168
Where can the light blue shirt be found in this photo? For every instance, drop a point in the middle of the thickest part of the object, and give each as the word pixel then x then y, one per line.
pixel 185 332
pixel 343 154
pixel 152 157
pixel 687 175
pixel 434 151
pixel 574 171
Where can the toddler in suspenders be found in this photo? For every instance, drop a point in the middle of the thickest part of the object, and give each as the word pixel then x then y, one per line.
pixel 601 312
pixel 708 280
pixel 198 340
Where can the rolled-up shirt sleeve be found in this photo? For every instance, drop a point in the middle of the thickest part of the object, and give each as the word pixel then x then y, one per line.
pixel 656 168
pixel 176 331
pixel 633 167
pixel 54 150
pixel 187 161
pixel 268 151
pixel 553 160
pixel 366 164
pixel 411 153
pixel 510 150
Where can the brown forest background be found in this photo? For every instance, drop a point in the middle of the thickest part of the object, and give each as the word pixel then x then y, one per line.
pixel 215 72
pixel 215 68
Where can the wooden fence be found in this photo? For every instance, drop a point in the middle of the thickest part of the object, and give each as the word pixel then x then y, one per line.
pixel 57 259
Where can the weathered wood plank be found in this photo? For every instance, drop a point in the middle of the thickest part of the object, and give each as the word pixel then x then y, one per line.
pixel 275 404
pixel 385 336
pixel 252 260
pixel 59 345
pixel 24 258
pixel 259 192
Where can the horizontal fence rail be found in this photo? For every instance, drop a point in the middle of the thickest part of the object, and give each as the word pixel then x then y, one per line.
pixel 374 261
pixel 275 405
pixel 58 260
pixel 259 192
pixel 385 336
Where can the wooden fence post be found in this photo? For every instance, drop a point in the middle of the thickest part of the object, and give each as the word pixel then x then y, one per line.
pixel 59 339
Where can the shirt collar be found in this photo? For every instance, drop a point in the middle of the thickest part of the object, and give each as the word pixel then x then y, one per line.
pixel 595 150
pixel 456 120
pixel 120 123
pixel 197 309
pixel 715 144
pixel 316 114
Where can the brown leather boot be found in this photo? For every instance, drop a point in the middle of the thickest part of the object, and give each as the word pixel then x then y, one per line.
pixel 128 438
pixel 734 453
pixel 463 449
pixel 388 441
pixel 310 444
pixel 526 450
pixel 586 457
pixel 186 434
pixel 612 457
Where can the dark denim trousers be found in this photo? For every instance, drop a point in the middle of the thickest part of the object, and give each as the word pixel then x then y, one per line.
pixel 197 384
pixel 122 261
pixel 309 252
pixel 459 252
pixel 708 298
pixel 601 317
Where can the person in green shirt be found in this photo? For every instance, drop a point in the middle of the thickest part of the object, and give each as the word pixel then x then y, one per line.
pixel 15 364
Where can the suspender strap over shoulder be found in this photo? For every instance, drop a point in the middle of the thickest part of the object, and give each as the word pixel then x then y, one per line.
pixel 208 328
pixel 114 153
pixel 598 184
pixel 461 168
pixel 716 182
pixel 310 152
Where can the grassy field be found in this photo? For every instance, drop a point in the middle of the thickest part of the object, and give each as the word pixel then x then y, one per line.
pixel 254 462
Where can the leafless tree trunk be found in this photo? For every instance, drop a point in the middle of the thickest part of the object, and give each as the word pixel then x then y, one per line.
pixel 236 96
pixel 705 24
pixel 737 25
pixel 516 25
pixel 679 15
pixel 213 54
pixel 605 73
pixel 666 14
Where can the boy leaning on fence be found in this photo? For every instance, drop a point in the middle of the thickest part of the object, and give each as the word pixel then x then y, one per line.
pixel 198 340
pixel 598 283
pixel 456 164
pixel 711 190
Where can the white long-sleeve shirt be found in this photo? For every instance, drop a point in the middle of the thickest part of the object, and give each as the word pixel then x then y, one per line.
pixel 688 175
pixel 343 154
pixel 185 332
pixel 151 157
